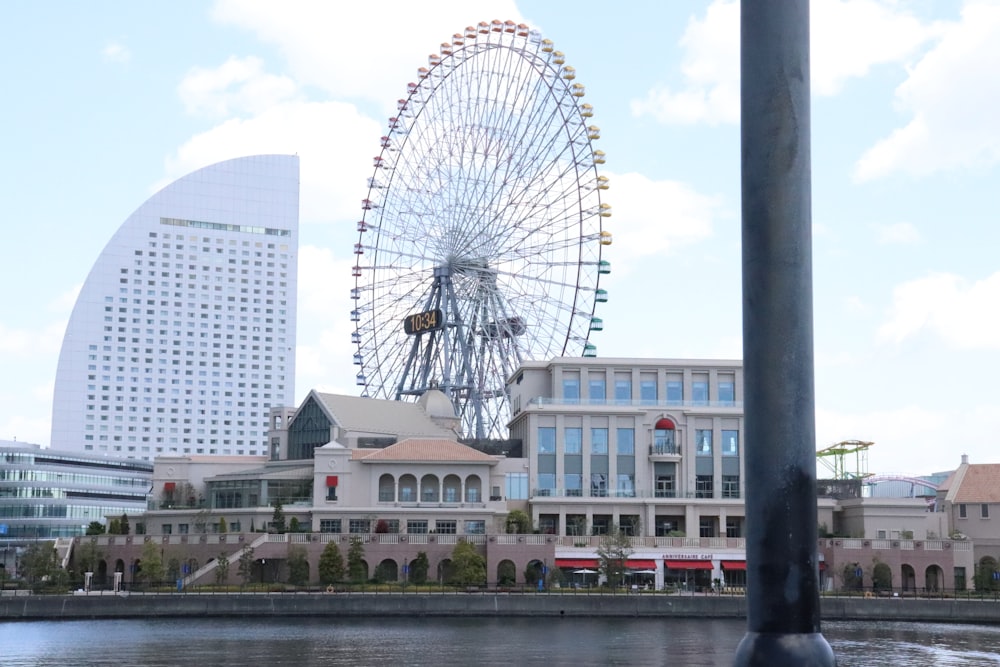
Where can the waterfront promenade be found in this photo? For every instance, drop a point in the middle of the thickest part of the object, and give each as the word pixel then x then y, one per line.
pixel 550 604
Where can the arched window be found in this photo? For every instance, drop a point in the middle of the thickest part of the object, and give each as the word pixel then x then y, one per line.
pixel 664 440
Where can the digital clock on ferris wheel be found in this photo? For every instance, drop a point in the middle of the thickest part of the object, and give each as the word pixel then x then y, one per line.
pixel 418 323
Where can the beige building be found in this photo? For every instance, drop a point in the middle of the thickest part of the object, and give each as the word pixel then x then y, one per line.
pixel 653 446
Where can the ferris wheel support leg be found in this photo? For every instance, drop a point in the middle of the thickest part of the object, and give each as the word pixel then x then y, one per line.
pixel 783 611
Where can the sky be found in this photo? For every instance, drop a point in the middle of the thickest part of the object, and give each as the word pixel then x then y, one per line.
pixel 105 103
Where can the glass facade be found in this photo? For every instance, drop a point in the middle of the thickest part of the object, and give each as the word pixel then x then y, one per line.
pixel 50 494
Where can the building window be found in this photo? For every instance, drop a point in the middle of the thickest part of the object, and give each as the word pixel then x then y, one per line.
pixel 623 391
pixel 727 392
pixel 598 441
pixel 665 486
pixel 703 442
pixel 182 528
pixel 574 485
pixel 168 528
pixel 546 440
pixel 475 527
pixel 706 527
pixel 699 392
pixel 416 526
pixel 647 391
pixel 730 486
pixel 329 525
pixel 984 511
pixel 546 484
pixel 703 486
pixel 331 493
pixel 359 526
pixel 598 390
pixel 663 437
pixel 446 526
pixel 625 438
pixel 626 486
pixel 517 486
pixel 730 443
pixel 675 392
pixel 571 390
pixel 962 512
pixel 598 485
pixel 734 528
pixel 573 440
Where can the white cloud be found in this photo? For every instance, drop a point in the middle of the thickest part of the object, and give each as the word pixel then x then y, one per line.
pixel 326 47
pixel 114 52
pixel 331 138
pixel 710 66
pixel 656 217
pixel 237 86
pixel 880 33
pixel 898 233
pixel 952 95
pixel 948 306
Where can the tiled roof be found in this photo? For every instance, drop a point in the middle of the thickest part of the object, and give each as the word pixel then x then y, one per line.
pixel 980 484
pixel 373 415
pixel 428 450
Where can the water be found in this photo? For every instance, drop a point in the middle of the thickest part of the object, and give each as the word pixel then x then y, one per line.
pixel 554 642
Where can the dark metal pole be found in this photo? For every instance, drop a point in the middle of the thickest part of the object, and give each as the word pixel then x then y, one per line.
pixel 783 619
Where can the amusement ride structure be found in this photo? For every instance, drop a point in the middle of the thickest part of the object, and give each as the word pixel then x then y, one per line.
pixel 481 241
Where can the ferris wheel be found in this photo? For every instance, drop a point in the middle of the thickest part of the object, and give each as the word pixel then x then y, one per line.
pixel 480 245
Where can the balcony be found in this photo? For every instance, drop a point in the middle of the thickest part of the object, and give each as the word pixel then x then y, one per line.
pixel 665 451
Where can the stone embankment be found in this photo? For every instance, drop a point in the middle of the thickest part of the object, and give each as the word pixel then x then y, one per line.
pixel 137 605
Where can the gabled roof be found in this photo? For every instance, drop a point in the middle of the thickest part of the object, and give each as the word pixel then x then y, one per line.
pixel 376 415
pixel 428 450
pixel 979 484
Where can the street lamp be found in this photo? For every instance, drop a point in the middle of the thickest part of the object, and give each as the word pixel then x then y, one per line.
pixel 262 564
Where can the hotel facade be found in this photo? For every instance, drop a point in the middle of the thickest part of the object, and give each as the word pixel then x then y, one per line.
pixel 183 334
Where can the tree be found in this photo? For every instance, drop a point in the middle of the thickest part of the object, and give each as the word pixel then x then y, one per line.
pixel 418 569
pixel 223 526
pixel 115 527
pixel 381 526
pixel 96 528
pixel 881 575
pixel 124 525
pixel 221 569
pixel 612 554
pixel 518 522
pixel 87 556
pixel 37 562
pixel 331 565
pixel 468 567
pixel 355 561
pixel 245 567
pixel 150 564
pixel 298 566
pixel 293 525
pixel 278 518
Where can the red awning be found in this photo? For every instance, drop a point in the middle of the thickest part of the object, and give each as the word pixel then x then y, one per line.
pixel 688 564
pixel 576 562
pixel 734 565
pixel 169 486
pixel 664 425
pixel 331 480
pixel 639 564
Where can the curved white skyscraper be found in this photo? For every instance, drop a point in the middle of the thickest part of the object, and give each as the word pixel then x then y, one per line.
pixel 183 335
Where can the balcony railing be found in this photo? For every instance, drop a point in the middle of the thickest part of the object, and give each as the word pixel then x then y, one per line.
pixel 632 403
pixel 664 449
